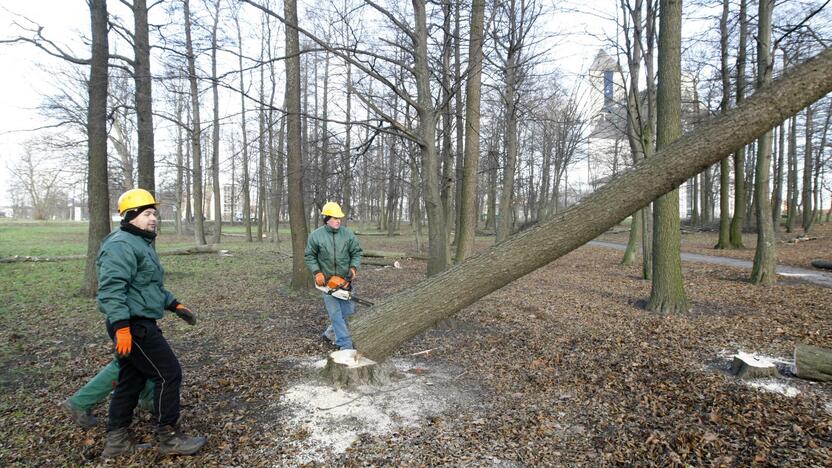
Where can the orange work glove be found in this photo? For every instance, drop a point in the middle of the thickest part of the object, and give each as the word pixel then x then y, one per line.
pixel 124 342
pixel 319 279
pixel 185 314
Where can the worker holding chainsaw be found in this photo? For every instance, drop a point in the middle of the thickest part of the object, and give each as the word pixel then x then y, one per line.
pixel 333 255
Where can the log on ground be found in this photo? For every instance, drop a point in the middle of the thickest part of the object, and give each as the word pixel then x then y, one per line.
pixel 813 363
pixel 824 264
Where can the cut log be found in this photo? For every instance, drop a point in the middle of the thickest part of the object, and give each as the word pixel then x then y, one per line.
pixel 378 261
pixel 825 264
pixel 813 363
pixel 748 366
pixel 349 368
pixel 197 249
pixel 378 234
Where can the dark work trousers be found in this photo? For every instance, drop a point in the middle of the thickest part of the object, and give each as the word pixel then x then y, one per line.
pixel 150 359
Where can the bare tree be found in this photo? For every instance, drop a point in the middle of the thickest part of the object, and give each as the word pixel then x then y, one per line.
pixel 196 131
pixel 668 294
pixel 765 259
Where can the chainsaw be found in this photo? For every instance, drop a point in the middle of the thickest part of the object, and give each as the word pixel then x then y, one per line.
pixel 339 288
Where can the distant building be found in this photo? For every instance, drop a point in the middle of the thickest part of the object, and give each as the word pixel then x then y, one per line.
pixel 608 149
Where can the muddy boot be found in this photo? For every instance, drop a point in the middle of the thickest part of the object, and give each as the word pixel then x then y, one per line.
pixel 173 442
pixel 83 418
pixel 118 443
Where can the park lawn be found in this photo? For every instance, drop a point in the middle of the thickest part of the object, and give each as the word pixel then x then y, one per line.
pixel 566 365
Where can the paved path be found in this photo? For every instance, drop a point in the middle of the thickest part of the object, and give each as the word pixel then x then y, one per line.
pixel 812 276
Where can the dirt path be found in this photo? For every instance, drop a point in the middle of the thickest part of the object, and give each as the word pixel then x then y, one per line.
pixel 803 274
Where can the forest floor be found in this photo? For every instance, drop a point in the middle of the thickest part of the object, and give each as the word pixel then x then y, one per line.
pixel 562 367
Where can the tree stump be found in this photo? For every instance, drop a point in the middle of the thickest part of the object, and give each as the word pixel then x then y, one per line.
pixel 349 368
pixel 748 366
pixel 813 363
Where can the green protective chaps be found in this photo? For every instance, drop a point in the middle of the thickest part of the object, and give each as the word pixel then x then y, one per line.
pixel 97 389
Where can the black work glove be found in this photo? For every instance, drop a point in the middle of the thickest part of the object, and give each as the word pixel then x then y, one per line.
pixel 183 312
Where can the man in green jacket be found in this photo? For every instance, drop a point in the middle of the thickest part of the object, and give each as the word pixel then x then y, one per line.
pixel 333 250
pixel 132 296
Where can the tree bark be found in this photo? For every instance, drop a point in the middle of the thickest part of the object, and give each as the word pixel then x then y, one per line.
pixel 668 291
pixel 246 188
pixel 196 131
pixel 468 198
pixel 765 257
pixel 297 216
pixel 380 330
pixel 98 197
pixel 724 241
pixel 144 97
pixel 813 362
pixel 738 219
pixel 806 192
pixel 215 130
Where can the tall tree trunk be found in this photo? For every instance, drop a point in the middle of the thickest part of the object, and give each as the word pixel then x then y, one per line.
pixel 806 192
pixel 777 190
pixel 98 195
pixel 507 192
pixel 447 158
pixel 382 329
pixel 180 162
pixel 437 222
pixel 791 177
pixel 468 199
pixel 635 118
pixel 262 171
pixel 738 220
pixel 765 257
pixel 459 152
pixel 297 216
pixel 246 187
pixel 215 130
pixel 668 292
pixel 144 96
pixel 196 131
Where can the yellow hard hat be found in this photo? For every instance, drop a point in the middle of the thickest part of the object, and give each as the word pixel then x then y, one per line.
pixel 332 209
pixel 134 198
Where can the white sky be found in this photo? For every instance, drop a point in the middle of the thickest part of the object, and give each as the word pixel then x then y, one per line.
pixel 24 81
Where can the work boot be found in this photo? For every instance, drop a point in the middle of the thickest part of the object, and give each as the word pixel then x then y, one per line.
pixel 83 418
pixel 174 442
pixel 118 443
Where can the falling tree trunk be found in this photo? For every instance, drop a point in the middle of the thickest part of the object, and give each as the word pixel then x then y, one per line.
pixel 380 330
pixel 468 199
pixel 196 130
pixel 297 216
pixel 98 197
pixel 765 257
pixel 724 241
pixel 215 130
pixel 738 220
pixel 144 96
pixel 668 291
pixel 806 192
pixel 813 362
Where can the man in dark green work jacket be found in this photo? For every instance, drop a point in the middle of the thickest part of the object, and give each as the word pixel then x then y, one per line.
pixel 132 296
pixel 333 250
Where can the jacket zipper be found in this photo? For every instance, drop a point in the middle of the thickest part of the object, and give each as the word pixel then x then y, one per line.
pixel 334 256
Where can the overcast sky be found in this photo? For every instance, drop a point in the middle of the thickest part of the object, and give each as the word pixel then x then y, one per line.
pixel 26 78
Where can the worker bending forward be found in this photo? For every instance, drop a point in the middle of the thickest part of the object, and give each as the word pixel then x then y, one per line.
pixel 333 250
pixel 132 296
